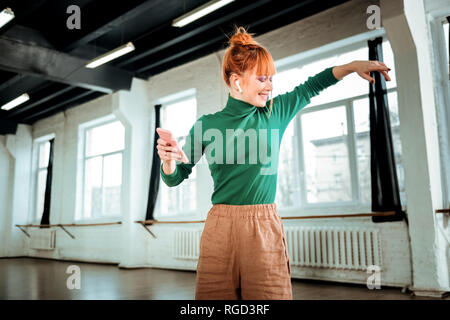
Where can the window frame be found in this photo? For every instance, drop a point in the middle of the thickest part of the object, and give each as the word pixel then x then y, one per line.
pixel 82 136
pixel 354 206
pixel 352 155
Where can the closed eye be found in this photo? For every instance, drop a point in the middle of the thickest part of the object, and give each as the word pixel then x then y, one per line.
pixel 263 79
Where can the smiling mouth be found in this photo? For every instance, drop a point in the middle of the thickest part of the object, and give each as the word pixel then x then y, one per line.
pixel 263 95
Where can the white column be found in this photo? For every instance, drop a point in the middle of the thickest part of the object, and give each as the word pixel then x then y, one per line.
pixel 19 147
pixel 134 110
pixel 408 32
pixel 6 167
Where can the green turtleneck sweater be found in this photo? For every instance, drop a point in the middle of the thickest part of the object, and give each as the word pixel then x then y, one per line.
pixel 241 143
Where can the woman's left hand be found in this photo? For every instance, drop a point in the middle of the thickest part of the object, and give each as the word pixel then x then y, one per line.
pixel 363 69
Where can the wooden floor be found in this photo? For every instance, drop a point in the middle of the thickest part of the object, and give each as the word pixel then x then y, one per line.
pixel 31 278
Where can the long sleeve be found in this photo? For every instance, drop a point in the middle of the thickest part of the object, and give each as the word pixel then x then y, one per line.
pixel 193 148
pixel 287 105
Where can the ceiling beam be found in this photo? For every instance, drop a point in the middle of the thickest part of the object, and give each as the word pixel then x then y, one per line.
pixel 276 14
pixel 19 110
pixel 20 86
pixel 40 114
pixel 193 33
pixel 7 126
pixel 57 66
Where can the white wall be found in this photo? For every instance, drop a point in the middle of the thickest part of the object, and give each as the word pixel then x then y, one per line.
pixel 6 175
pixel 129 245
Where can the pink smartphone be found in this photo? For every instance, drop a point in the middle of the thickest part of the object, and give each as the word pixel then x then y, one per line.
pixel 168 136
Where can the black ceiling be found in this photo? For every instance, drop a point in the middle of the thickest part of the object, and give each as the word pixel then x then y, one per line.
pixel 39 55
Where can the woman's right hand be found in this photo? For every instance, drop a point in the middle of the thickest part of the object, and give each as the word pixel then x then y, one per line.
pixel 168 155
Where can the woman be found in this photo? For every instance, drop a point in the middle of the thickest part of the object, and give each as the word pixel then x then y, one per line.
pixel 243 252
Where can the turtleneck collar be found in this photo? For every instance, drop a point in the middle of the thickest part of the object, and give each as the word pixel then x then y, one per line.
pixel 239 107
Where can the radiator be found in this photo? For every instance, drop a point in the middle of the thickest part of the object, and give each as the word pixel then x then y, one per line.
pixel 321 247
pixel 42 239
pixel 333 247
pixel 186 244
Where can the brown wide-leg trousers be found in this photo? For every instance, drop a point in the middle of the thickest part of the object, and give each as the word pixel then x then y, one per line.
pixel 243 255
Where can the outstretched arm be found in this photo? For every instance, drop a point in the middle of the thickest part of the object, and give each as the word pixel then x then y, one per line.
pixel 362 68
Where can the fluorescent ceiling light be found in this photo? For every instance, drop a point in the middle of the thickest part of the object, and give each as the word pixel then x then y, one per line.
pixel 120 51
pixel 199 12
pixel 14 103
pixel 6 15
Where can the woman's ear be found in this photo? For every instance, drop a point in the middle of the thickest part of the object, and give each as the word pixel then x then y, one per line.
pixel 233 78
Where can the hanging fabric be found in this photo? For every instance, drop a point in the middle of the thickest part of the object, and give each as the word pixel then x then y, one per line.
pixel 45 220
pixel 385 190
pixel 154 175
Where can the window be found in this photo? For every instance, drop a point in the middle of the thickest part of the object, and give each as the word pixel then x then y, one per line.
pixel 325 151
pixel 288 184
pixel 41 158
pixel 320 147
pixel 102 170
pixel 179 116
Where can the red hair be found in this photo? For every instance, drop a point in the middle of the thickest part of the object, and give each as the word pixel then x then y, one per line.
pixel 244 54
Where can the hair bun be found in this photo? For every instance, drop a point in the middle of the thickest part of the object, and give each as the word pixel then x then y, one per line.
pixel 241 38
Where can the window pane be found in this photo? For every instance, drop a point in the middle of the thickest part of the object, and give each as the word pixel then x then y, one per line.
pixel 286 81
pixel 327 169
pixel 288 181
pixel 182 199
pixel 41 184
pixel 169 200
pixel 44 154
pixel 93 187
pixel 188 193
pixel 180 117
pixel 112 182
pixel 362 131
pixel 105 138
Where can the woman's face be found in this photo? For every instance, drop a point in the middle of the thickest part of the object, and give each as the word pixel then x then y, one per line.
pixel 256 88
